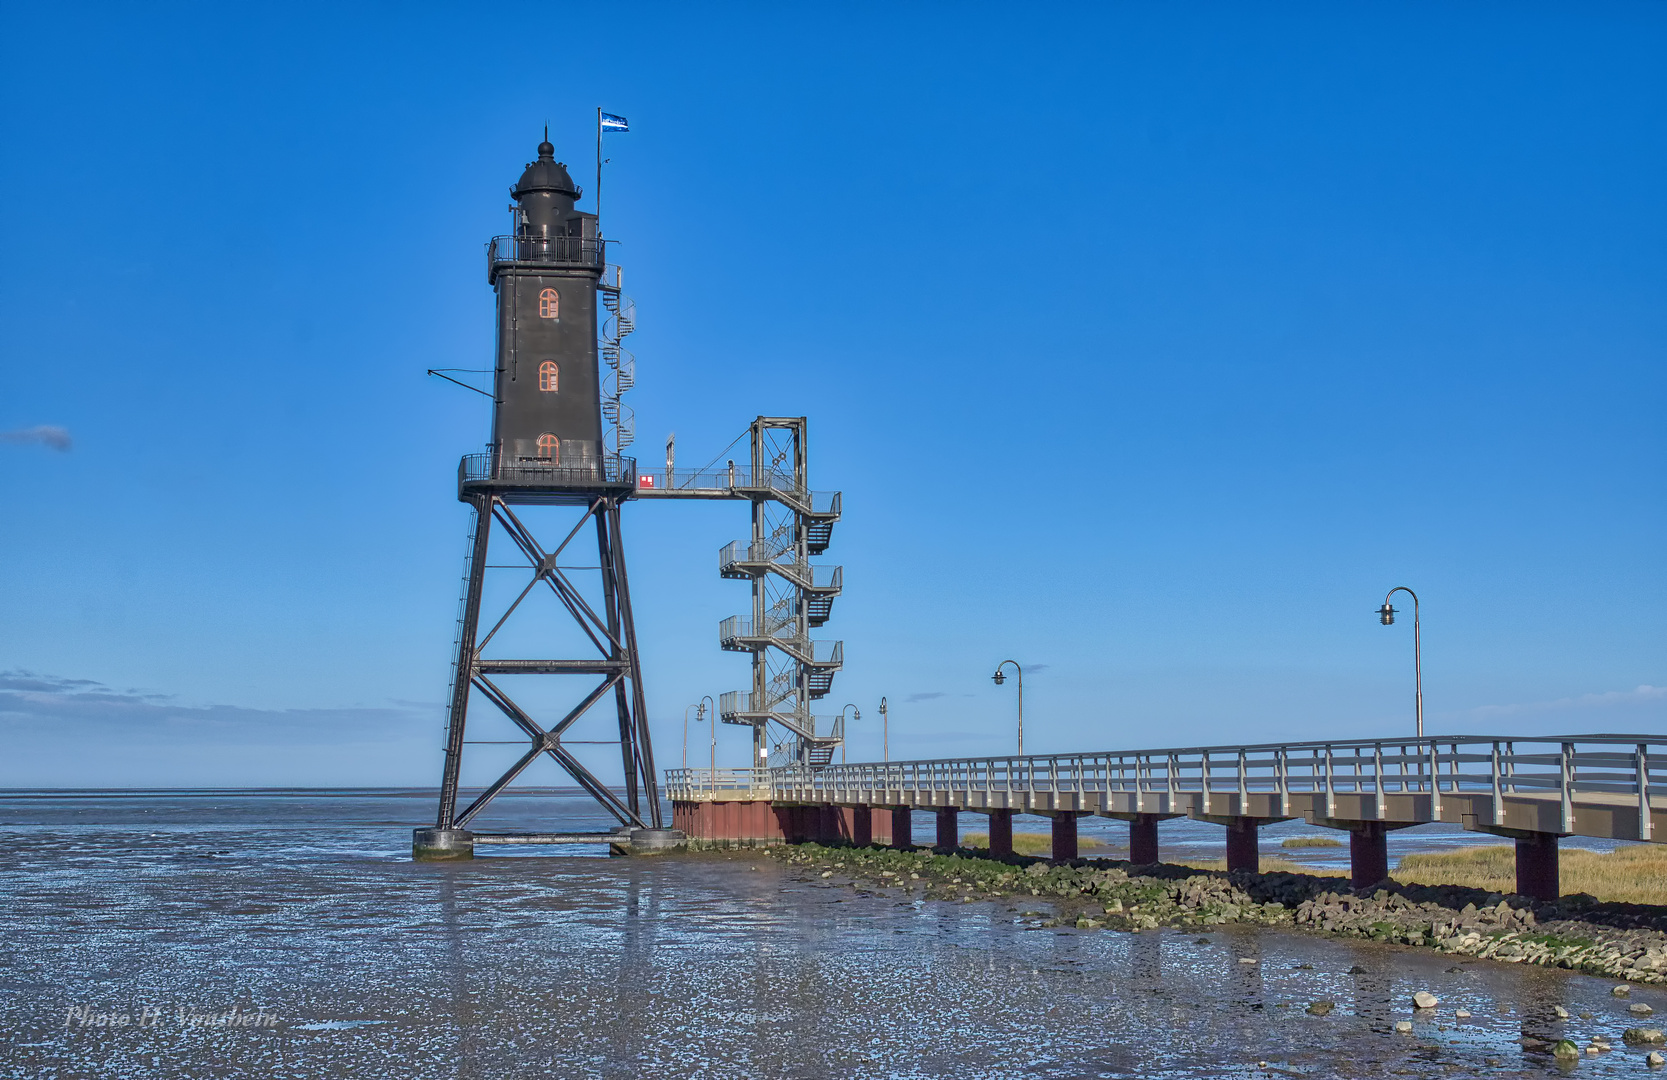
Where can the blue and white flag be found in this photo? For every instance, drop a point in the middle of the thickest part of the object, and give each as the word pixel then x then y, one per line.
pixel 610 122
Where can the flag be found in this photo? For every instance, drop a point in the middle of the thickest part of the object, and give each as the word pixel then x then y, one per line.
pixel 610 122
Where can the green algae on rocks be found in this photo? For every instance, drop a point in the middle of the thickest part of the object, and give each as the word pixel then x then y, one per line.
pixel 1578 933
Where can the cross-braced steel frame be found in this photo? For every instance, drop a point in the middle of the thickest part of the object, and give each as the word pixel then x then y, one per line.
pixel 611 630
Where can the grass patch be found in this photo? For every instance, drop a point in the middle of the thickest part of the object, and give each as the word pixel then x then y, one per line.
pixel 1039 845
pixel 1309 841
pixel 1635 874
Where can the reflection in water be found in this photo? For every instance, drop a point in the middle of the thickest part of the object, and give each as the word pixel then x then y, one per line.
pixel 716 966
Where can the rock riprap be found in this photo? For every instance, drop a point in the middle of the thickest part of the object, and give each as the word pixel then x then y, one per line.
pixel 1615 940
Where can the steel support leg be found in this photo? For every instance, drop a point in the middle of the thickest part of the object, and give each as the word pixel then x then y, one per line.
pixel 464 669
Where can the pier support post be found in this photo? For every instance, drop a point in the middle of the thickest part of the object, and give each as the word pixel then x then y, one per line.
pixel 1242 850
pixel 1143 839
pixel 859 823
pixel 949 832
pixel 828 820
pixel 1537 870
pixel 902 828
pixel 1001 834
pixel 879 825
pixel 1064 836
pixel 1368 854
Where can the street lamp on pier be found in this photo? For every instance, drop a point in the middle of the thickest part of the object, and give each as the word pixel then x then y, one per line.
pixel 856 714
pixel 701 714
pixel 885 733
pixel 1386 615
pixel 998 678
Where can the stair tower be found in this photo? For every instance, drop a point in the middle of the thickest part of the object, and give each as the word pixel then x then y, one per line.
pixel 791 597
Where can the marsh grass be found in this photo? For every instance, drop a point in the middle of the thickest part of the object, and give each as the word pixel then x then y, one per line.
pixel 1309 841
pixel 1635 874
pixel 1030 843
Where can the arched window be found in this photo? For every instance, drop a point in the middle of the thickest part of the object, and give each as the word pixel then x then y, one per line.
pixel 549 304
pixel 549 448
pixel 547 375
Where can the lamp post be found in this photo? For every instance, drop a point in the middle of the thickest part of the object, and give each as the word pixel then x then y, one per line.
pixel 1386 615
pixel 686 709
pixel 885 733
pixel 700 714
pixel 998 678
pixel 856 714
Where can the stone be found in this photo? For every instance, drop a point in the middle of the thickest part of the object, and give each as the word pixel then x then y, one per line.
pixel 1638 1008
pixel 1643 1036
pixel 1461 1014
pixel 1622 990
pixel 1252 960
pixel 1321 1008
pixel 827 873
pixel 1565 1050
pixel 1560 1012
pixel 1654 1059
pixel 1357 970
pixel 1425 1000
pixel 1404 1027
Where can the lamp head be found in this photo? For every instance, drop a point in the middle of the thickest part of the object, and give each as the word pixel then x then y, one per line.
pixel 1386 614
pixel 998 678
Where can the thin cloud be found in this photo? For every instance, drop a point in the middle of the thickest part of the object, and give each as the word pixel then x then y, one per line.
pixel 925 696
pixel 42 434
pixel 51 705
pixel 1640 695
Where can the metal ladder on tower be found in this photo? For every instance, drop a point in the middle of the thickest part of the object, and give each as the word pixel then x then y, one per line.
pixel 622 366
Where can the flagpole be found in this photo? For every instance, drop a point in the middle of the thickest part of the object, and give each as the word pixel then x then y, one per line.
pixel 599 172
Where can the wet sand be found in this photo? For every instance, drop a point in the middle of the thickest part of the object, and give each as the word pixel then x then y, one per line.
pixel 713 965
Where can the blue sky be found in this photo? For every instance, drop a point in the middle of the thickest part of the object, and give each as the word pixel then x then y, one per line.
pixel 1150 345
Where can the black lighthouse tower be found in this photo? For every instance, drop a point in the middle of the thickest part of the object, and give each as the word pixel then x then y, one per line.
pixel 548 450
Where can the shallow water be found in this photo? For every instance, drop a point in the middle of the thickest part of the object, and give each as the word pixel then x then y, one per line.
pixel 307 913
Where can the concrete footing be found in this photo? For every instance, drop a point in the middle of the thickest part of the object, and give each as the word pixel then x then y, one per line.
pixel 648 841
pixel 1064 837
pixel 437 845
pixel 949 828
pixel 1001 834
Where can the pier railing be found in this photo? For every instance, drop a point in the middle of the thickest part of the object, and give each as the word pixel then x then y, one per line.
pixel 1620 770
pixel 692 784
